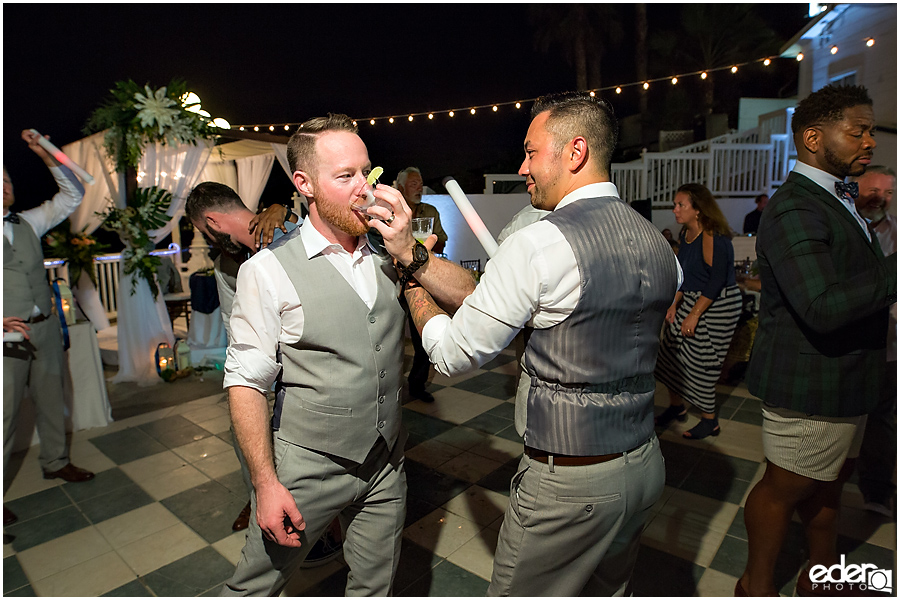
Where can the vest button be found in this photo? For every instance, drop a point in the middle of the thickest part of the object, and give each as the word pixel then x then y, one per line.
pixel 377 347
pixel 381 400
pixel 371 319
pixel 589 508
pixel 382 374
pixel 380 424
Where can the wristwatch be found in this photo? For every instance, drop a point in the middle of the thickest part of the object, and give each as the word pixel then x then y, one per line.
pixel 420 257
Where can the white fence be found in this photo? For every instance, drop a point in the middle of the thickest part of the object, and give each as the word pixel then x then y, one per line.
pixel 106 268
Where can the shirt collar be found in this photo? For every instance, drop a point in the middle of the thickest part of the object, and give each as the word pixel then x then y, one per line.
pixel 592 190
pixel 824 180
pixel 315 243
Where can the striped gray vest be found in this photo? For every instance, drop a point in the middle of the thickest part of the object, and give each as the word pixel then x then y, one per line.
pixel 592 384
pixel 24 277
pixel 340 385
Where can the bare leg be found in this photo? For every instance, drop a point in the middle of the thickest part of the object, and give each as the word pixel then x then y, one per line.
pixel 767 515
pixel 819 514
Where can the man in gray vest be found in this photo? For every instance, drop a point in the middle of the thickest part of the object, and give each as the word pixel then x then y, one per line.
pixel 320 306
pixel 589 283
pixel 32 341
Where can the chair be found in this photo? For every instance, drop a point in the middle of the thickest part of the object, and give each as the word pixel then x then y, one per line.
pixel 473 265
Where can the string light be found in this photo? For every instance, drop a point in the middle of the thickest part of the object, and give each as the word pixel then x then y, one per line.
pixel 354 123
pixel 495 107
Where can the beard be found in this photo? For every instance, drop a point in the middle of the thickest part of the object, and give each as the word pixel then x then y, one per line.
pixel 840 168
pixel 873 214
pixel 224 242
pixel 539 197
pixel 342 217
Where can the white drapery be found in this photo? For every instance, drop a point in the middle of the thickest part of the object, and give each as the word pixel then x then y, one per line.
pixel 176 169
pixel 88 153
pixel 142 324
pixel 252 175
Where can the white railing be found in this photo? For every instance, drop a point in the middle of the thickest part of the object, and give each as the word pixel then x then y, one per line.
pixel 630 180
pixel 106 268
pixel 739 170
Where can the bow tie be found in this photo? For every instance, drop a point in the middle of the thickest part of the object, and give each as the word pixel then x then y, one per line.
pixel 11 218
pixel 847 189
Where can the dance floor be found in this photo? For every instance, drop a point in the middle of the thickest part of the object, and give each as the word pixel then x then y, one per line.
pixel 157 518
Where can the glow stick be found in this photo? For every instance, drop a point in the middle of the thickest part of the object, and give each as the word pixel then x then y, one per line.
pixel 61 157
pixel 472 219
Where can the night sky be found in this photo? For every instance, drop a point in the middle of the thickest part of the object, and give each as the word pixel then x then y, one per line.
pixel 271 63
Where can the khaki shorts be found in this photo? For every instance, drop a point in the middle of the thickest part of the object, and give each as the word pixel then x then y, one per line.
pixel 810 445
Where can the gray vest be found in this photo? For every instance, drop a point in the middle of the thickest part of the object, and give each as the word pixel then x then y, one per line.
pixel 592 385
pixel 24 277
pixel 340 385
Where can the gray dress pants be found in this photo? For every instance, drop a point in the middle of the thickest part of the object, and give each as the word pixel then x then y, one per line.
pixel 38 364
pixel 369 499
pixel 574 531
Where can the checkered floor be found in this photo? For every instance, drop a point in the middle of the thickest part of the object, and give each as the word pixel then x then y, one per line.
pixel 157 518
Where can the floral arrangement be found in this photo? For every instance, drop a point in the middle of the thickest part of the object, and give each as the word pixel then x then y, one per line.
pixel 136 116
pixel 147 211
pixel 77 249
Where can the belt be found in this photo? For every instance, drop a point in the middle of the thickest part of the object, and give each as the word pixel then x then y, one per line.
pixel 37 319
pixel 566 460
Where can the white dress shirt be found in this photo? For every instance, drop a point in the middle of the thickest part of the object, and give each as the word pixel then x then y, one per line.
pixel 54 211
pixel 826 181
pixel 533 281
pixel 267 310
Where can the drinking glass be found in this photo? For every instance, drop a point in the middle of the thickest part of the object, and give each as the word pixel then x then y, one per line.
pixel 422 228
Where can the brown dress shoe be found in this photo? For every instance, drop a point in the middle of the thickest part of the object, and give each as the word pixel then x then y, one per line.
pixel 9 517
pixel 243 520
pixel 70 473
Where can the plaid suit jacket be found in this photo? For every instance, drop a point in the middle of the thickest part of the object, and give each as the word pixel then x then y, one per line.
pixel 826 290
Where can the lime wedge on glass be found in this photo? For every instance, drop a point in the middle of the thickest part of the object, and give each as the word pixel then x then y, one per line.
pixel 374 175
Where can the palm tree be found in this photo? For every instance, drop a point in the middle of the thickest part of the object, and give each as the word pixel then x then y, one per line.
pixel 712 35
pixel 583 32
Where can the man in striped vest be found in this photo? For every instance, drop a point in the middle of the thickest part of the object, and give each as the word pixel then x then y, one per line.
pixel 590 284
pixel 32 341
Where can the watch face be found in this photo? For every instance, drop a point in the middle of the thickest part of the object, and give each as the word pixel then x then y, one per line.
pixel 420 253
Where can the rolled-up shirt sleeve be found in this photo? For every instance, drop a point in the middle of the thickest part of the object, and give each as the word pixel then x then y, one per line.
pixel 256 323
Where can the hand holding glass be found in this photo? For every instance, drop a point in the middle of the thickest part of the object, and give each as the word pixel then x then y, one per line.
pixel 422 228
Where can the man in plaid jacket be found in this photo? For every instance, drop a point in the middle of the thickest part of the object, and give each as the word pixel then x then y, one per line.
pixel 819 358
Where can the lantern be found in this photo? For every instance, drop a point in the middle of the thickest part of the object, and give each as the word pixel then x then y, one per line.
pixel 182 355
pixel 67 301
pixel 165 362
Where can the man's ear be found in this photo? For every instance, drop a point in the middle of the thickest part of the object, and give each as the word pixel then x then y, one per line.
pixel 213 221
pixel 812 138
pixel 576 154
pixel 304 183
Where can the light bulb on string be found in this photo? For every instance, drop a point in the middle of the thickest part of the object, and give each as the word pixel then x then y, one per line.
pixel 430 115
pixel 734 69
pixel 495 108
pixel 287 127
pixel 674 80
pixel 354 123
pixel 799 56
pixel 703 75
pixel 518 105
pixel 870 42
pixel 271 128
pixel 767 62
pixel 472 111
pixel 834 49
pixel 241 127
pixel 256 128
pixel 410 118
pixel 646 85
pixel 451 113
pixel 371 121
pixel 618 90
pixel 593 94
pixel 391 120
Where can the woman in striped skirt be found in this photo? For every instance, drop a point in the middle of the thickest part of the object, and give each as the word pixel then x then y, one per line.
pixel 702 319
